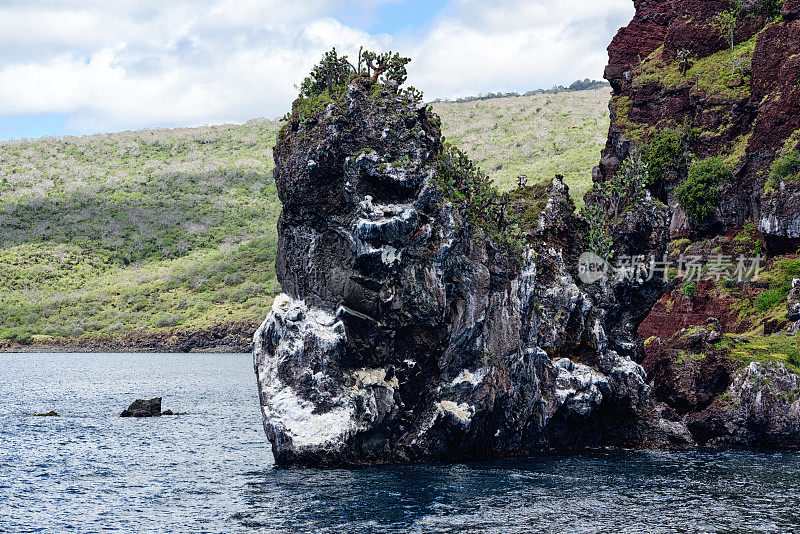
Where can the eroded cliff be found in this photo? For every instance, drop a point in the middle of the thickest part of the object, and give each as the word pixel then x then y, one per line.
pixel 415 326
pixel 712 79
pixel 428 317
pixel 706 96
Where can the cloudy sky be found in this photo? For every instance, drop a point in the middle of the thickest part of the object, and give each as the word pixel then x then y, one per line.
pixel 86 66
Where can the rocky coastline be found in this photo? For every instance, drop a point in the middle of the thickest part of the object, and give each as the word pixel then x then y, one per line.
pixel 427 317
pixel 234 337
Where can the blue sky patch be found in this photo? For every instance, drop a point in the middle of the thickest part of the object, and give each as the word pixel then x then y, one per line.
pixel 32 126
pixel 407 15
pixel 392 17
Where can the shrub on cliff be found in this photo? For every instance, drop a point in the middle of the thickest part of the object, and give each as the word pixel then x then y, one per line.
pixel 725 74
pixel 699 193
pixel 668 148
pixel 780 274
pixel 328 81
pixel 748 241
pixel 334 72
pixel 787 167
pixel 690 290
pixel 391 66
pixel 464 184
pixel 726 22
pixel 611 198
pixel 330 74
pixel 752 8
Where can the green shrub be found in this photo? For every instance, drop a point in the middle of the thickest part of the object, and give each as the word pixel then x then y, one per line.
pixel 23 337
pixel 699 193
pixel 464 184
pixel 781 273
pixel 747 241
pixel 769 298
pixel 690 289
pixel 331 73
pixel 600 240
pixel 668 148
pixel 309 108
pixel 611 198
pixel 793 354
pixel 392 67
pixel 165 320
pixel 334 72
pixel 751 8
pixel 725 23
pixel 778 280
pixel 678 246
pixel 329 78
pixel 786 167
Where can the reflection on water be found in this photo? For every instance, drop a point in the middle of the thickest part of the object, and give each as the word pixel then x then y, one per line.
pixel 211 471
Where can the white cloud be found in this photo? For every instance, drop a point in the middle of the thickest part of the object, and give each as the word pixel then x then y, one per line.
pixel 517 45
pixel 124 64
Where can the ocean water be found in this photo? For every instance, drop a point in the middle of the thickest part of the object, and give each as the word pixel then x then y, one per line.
pixel 212 470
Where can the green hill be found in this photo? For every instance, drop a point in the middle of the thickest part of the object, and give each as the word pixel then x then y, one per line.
pixel 159 230
pixel 538 136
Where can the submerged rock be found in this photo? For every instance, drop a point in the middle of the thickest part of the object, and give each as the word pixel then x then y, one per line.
pixel 143 408
pixel 170 412
pixel 51 413
pixel 407 333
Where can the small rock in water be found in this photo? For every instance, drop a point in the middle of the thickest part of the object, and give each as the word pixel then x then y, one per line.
pixel 143 408
pixel 51 413
pixel 170 412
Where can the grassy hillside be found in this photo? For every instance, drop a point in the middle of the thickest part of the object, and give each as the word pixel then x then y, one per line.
pixel 538 136
pixel 158 229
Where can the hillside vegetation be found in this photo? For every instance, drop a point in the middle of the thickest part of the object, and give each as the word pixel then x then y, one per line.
pixel 162 229
pixel 538 136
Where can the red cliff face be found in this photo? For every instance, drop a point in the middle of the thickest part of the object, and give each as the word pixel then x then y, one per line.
pixel 707 100
pixel 677 75
pixel 638 39
pixel 776 85
pixel 672 68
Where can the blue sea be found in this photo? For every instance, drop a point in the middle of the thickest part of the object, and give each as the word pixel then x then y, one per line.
pixel 212 470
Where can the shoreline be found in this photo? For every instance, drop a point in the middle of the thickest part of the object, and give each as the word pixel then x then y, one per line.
pixel 234 337
pixel 75 349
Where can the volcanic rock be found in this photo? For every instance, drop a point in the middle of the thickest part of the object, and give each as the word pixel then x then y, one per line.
pixel 406 333
pixel 143 408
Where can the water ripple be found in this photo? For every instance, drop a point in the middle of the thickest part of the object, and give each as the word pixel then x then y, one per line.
pixel 211 471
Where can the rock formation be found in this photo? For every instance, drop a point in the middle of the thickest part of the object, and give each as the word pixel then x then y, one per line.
pixel 143 408
pixel 412 329
pixel 687 89
pixel 717 399
pixel 406 332
pixel 671 67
